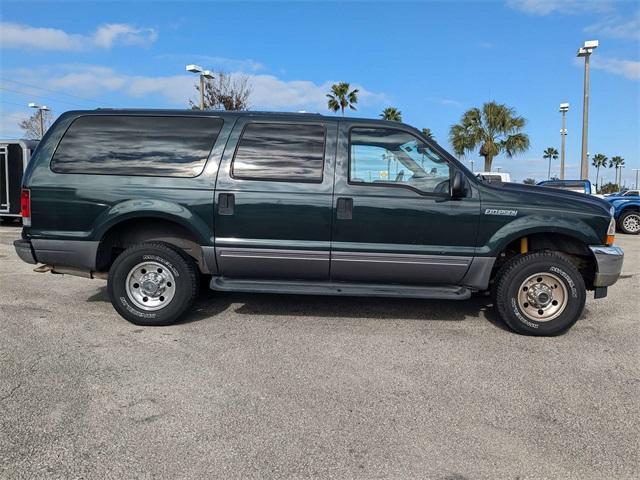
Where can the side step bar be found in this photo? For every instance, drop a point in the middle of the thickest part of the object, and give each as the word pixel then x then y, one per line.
pixel 444 292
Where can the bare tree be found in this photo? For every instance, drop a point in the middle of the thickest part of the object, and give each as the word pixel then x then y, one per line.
pixel 31 126
pixel 225 92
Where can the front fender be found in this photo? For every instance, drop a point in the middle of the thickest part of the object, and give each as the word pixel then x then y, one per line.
pixel 538 223
pixel 152 208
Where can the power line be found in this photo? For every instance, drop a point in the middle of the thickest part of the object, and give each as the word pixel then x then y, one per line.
pixel 28 95
pixel 54 91
pixel 2 100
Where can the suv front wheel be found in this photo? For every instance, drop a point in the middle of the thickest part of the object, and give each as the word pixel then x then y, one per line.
pixel 540 293
pixel 152 284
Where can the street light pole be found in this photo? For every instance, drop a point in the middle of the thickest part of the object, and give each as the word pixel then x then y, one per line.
pixel 636 170
pixel 41 110
pixel 585 51
pixel 204 74
pixel 564 108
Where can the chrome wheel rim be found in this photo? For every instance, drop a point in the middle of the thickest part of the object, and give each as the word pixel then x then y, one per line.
pixel 631 223
pixel 150 286
pixel 542 297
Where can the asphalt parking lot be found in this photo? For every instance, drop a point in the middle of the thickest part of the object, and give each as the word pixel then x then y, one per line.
pixel 257 386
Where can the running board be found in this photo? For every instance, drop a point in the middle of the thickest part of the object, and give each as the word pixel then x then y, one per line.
pixel 442 292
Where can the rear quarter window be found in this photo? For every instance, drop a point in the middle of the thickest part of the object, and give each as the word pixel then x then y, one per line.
pixel 136 145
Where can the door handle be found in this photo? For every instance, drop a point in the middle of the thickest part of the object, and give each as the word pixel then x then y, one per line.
pixel 344 208
pixel 226 203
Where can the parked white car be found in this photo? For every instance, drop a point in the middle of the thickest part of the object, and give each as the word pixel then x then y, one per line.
pixel 494 176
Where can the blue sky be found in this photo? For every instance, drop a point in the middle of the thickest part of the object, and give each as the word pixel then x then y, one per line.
pixel 432 60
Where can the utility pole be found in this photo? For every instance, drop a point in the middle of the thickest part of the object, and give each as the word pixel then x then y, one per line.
pixel 41 110
pixel 204 74
pixel 636 170
pixel 585 51
pixel 564 108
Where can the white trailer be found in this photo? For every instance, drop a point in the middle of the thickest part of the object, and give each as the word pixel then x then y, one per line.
pixel 14 156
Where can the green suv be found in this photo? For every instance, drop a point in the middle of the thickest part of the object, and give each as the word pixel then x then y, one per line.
pixel 156 201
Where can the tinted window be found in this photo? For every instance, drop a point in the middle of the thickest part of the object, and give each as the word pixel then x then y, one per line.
pixel 278 151
pixel 129 145
pixel 385 156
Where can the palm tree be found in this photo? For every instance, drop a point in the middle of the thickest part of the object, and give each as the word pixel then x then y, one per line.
pixel 552 154
pixel 341 98
pixel 495 128
pixel 391 113
pixel 617 162
pixel 427 133
pixel 599 160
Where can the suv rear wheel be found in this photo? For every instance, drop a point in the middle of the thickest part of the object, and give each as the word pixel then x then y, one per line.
pixel 152 284
pixel 540 293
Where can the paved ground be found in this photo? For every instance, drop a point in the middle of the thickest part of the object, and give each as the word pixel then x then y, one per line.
pixel 255 386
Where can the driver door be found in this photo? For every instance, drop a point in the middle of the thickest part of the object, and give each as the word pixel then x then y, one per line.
pixel 394 221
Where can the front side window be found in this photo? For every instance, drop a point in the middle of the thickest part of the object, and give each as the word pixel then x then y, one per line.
pixel 279 151
pixel 136 145
pixel 384 156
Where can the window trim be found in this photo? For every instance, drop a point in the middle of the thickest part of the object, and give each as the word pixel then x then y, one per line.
pixel 279 179
pixel 114 114
pixel 395 185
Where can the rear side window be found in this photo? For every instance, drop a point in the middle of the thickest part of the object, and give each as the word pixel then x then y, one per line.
pixel 279 151
pixel 136 145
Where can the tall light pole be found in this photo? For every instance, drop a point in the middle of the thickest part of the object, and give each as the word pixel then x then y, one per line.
pixel 41 110
pixel 636 170
pixel 204 74
pixel 471 162
pixel 564 108
pixel 585 51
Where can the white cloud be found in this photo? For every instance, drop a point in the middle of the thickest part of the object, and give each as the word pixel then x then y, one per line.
pixel 106 36
pixel 268 91
pixel 617 27
pixel 9 124
pixel 546 7
pixel 447 102
pixel 16 35
pixel 627 68
pixel 215 62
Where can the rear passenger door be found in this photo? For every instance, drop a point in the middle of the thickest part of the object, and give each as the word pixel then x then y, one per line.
pixel 273 199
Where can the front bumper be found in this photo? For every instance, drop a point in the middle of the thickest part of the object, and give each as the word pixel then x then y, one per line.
pixel 24 249
pixel 608 265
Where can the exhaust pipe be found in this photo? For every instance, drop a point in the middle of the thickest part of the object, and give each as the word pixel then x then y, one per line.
pixel 76 272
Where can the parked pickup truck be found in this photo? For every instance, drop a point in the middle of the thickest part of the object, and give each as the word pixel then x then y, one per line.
pixel 581 186
pixel 154 201
pixel 626 212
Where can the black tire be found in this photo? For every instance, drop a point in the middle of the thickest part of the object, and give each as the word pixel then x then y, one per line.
pixel 179 266
pixel 632 219
pixel 510 283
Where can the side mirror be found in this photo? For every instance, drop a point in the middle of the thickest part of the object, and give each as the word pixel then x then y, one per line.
pixel 458 189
